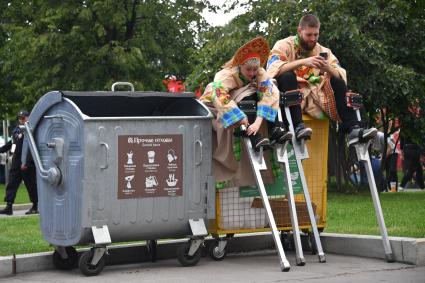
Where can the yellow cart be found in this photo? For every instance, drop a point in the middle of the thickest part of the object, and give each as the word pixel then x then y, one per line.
pixel 239 211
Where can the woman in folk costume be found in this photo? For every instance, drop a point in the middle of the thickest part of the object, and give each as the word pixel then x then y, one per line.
pixel 242 78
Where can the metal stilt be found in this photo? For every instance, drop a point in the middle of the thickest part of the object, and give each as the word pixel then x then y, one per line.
pixel 363 156
pixel 301 153
pixel 282 157
pixel 257 163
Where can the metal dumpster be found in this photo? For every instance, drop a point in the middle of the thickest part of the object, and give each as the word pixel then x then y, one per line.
pixel 121 166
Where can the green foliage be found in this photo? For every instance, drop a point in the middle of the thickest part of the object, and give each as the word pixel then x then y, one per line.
pixel 379 43
pixel 88 45
pixel 220 45
pixel 347 187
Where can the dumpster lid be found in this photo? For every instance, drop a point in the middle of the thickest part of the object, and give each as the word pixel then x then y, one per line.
pixel 130 94
pixel 136 104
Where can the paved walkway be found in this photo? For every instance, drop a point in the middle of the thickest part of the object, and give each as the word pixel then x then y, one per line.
pixel 260 266
pixel 18 210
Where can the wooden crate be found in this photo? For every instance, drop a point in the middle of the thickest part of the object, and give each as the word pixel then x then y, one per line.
pixel 280 209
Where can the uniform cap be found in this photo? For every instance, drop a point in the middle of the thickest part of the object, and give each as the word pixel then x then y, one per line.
pixel 23 113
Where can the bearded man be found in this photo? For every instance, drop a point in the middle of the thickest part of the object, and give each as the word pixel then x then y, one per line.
pixel 300 62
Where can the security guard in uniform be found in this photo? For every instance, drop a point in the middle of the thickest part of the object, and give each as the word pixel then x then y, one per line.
pixel 19 171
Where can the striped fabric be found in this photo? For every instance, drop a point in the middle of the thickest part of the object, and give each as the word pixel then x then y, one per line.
pixel 328 101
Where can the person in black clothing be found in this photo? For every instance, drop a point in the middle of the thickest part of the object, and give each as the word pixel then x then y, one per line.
pixel 19 171
pixel 411 154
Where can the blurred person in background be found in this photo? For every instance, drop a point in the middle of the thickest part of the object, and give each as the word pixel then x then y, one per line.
pixel 412 154
pixel 19 171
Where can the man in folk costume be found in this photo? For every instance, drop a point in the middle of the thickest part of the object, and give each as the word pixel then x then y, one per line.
pixel 243 78
pixel 301 62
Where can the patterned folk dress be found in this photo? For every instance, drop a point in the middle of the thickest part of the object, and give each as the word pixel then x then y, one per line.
pixel 230 161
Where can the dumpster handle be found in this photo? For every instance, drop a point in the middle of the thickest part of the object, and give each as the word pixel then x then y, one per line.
pixel 122 83
pixel 200 152
pixel 106 155
pixel 53 174
pixel 54 117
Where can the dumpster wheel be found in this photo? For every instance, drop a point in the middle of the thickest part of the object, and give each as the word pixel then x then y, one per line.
pixel 152 246
pixel 184 258
pixel 89 269
pixel 312 243
pixel 65 263
pixel 287 240
pixel 215 252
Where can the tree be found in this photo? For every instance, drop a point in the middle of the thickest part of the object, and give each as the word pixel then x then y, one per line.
pixel 220 44
pixel 380 43
pixel 89 44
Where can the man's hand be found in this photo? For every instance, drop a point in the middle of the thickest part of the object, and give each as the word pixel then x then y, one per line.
pixel 24 167
pixel 324 66
pixel 317 62
pixel 314 62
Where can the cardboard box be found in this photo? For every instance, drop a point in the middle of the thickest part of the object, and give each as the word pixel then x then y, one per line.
pixel 280 209
pixel 231 209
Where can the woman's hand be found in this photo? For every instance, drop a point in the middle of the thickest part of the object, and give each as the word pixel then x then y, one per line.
pixel 244 122
pixel 254 127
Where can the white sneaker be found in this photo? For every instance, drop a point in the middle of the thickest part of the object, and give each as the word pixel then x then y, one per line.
pixel 400 189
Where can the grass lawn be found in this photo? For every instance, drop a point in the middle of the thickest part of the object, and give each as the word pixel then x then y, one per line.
pixel 21 195
pixel 21 235
pixel 355 214
pixel 347 213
